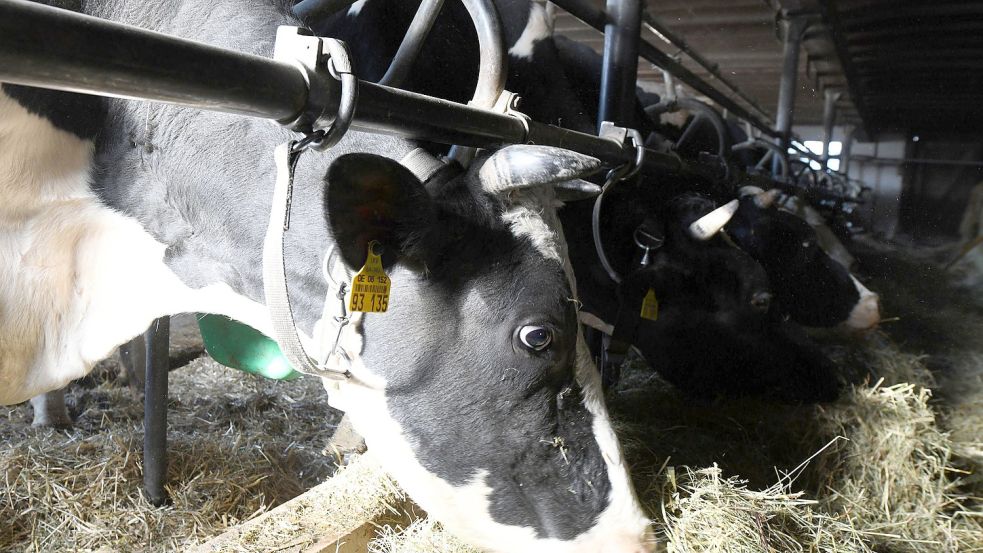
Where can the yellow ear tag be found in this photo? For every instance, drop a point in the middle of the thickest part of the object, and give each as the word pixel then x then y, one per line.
pixel 650 306
pixel 370 287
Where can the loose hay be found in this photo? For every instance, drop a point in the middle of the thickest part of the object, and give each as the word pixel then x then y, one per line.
pixel 422 536
pixel 894 479
pixel 237 445
pixel 704 511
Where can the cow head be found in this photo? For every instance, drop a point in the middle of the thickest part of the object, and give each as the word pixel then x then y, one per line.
pixel 812 287
pixel 475 389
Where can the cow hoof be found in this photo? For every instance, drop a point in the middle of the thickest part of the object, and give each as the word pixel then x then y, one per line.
pixel 346 443
pixel 50 411
pixel 58 423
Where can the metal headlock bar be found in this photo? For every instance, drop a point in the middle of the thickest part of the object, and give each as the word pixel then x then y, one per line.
pixel 54 48
pixel 597 18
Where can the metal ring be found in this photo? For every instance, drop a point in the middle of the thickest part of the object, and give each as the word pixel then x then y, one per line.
pixel 339 66
pixel 636 137
pixel 308 140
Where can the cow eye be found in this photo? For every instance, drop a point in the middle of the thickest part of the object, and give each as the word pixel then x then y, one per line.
pixel 536 338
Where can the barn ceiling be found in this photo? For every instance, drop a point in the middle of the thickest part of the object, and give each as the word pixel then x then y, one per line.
pixel 912 65
pixel 900 65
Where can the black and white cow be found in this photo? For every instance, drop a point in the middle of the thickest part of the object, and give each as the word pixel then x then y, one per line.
pixel 810 287
pixel 714 332
pixel 475 389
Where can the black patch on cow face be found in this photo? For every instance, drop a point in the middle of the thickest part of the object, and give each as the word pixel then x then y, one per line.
pixel 471 397
pixel 810 286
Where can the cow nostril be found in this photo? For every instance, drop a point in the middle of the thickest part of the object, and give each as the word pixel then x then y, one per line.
pixel 761 300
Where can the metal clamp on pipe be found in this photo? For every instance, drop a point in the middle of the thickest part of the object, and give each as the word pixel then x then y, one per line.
pixel 319 59
pixel 508 104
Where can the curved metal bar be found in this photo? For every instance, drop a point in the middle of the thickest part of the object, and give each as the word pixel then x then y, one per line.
pixel 773 149
pixel 716 120
pixel 491 64
pixel 409 49
pixel 491 53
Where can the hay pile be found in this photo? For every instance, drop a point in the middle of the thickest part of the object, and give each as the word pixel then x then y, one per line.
pixel 238 445
pixel 422 536
pixel 703 511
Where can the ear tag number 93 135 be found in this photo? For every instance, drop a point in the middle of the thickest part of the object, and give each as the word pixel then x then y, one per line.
pixel 370 287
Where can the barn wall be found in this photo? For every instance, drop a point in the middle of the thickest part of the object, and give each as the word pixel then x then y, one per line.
pixel 880 213
pixel 935 195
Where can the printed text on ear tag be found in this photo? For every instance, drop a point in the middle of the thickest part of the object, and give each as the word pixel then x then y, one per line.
pixel 370 287
pixel 650 306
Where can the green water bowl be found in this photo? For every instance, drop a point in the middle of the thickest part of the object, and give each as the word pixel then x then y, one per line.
pixel 242 347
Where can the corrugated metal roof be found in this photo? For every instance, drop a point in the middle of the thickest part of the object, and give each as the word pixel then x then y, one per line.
pixel 913 65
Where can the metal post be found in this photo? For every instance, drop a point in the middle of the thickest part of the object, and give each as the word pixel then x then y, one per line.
pixel 831 96
pixel 157 339
pixel 619 72
pixel 846 152
pixel 588 12
pixel 794 30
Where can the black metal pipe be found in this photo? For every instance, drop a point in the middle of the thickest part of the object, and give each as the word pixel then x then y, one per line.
pixel 52 48
pixel 45 46
pixel 157 342
pixel 491 64
pixel 412 42
pixel 714 69
pixel 598 19
pixel 619 71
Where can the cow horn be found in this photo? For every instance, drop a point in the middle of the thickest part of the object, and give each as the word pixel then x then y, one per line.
pixel 526 165
pixel 750 191
pixel 577 189
pixel 764 200
pixel 710 224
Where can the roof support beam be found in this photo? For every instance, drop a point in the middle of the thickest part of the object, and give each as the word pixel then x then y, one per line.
pixel 794 30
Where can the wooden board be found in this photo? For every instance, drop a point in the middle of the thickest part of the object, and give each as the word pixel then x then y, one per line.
pixel 340 515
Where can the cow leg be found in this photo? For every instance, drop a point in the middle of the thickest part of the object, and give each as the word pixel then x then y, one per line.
pixel 132 355
pixel 50 411
pixel 345 441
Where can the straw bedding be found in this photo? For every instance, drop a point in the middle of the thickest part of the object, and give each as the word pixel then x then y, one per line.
pixel 891 467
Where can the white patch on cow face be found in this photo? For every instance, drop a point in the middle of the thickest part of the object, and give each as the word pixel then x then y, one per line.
pixel 524 216
pixel 538 27
pixel 465 510
pixel 77 279
pixel 622 526
pixel 356 8
pixel 867 313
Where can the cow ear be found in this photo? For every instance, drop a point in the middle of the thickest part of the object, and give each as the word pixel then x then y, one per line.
pixel 371 197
